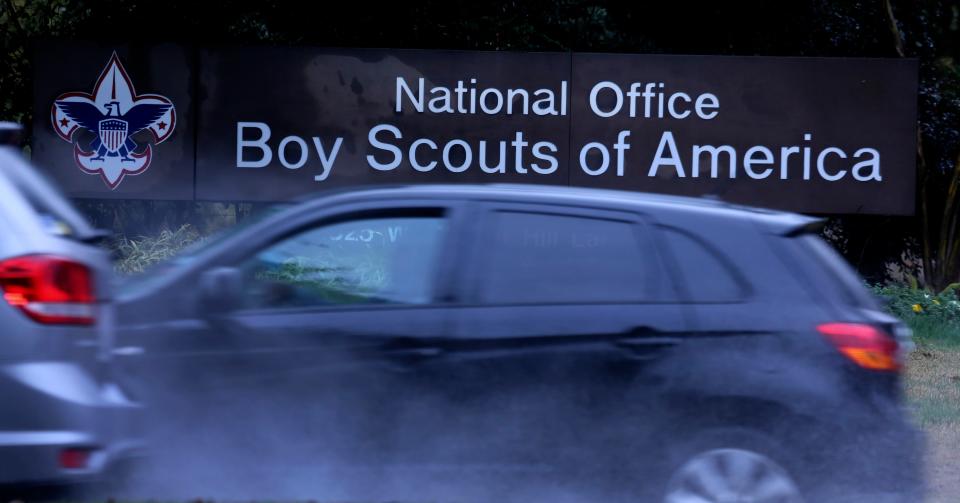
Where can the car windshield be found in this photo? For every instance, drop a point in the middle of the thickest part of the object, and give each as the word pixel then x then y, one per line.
pixel 197 247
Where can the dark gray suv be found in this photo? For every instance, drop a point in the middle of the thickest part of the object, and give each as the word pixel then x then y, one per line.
pixel 64 418
pixel 651 348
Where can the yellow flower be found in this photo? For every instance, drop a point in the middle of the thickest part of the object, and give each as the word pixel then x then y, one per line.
pixel 917 308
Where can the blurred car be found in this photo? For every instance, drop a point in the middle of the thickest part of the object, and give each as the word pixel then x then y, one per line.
pixel 680 349
pixel 64 420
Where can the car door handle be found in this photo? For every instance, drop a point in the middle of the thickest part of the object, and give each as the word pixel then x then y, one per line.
pixel 645 344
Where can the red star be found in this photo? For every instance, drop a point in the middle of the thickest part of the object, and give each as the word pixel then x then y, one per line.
pixel 162 126
pixel 63 123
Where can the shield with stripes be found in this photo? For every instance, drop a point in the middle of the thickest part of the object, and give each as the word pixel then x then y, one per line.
pixel 113 132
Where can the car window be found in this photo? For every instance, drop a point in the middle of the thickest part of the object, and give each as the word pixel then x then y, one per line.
pixel 382 260
pixel 549 258
pixel 706 276
pixel 836 270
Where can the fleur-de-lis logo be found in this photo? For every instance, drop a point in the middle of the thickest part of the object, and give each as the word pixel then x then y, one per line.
pixel 113 113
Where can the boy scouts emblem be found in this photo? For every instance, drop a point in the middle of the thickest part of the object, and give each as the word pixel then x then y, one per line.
pixel 113 113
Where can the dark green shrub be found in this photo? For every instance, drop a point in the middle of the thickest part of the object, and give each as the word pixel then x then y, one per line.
pixel 933 317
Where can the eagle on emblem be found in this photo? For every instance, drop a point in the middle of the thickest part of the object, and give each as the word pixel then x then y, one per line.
pixel 113 131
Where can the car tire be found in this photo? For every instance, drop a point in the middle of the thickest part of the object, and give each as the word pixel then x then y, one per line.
pixel 731 465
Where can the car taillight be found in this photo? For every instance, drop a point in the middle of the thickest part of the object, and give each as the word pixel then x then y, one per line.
pixel 865 345
pixel 49 289
pixel 75 458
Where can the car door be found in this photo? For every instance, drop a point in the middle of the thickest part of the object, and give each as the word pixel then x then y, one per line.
pixel 564 311
pixel 326 309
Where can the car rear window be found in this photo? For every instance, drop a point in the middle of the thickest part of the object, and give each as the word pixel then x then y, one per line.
pixel 551 258
pixel 837 271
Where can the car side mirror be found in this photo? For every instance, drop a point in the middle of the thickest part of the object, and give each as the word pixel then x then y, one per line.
pixel 220 290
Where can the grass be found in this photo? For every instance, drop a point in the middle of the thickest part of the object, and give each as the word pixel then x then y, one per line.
pixel 933 388
pixel 934 333
pixel 133 255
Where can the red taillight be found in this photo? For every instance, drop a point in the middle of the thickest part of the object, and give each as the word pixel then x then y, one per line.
pixel 75 458
pixel 49 289
pixel 865 345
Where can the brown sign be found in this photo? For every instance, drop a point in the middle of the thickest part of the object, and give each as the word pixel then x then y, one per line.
pixel 264 124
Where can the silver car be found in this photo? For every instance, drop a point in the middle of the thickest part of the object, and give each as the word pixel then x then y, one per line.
pixel 63 419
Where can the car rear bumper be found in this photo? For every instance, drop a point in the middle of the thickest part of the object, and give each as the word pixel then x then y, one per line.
pixel 33 457
pixel 56 406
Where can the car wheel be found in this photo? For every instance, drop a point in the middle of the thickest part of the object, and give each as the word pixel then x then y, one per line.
pixel 731 473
